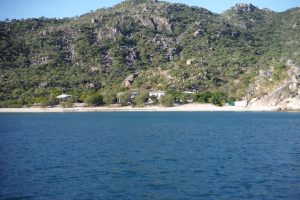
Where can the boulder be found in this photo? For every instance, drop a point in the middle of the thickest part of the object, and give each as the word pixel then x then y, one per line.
pixel 190 61
pixel 198 32
pixel 144 21
pixel 245 7
pixel 129 80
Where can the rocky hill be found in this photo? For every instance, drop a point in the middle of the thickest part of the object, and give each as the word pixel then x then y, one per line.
pixel 245 52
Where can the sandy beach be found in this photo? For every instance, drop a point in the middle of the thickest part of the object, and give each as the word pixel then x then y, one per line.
pixel 192 107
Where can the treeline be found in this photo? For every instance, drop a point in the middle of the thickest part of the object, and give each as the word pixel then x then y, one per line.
pixel 106 98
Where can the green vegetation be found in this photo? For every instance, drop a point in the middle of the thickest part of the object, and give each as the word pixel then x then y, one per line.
pixel 141 99
pixel 51 101
pixel 109 98
pixel 93 99
pixel 167 100
pixel 279 72
pixel 124 98
pixel 217 98
pixel 170 47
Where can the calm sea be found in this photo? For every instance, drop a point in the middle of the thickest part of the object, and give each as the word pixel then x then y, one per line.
pixel 193 155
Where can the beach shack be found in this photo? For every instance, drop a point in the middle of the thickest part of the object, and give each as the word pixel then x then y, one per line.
pixel 231 103
pixel 189 96
pixel 63 96
pixel 188 92
pixel 242 103
pixel 124 98
pixel 134 94
pixel 157 94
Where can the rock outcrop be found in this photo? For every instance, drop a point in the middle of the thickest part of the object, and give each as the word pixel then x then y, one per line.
pixel 154 23
pixel 129 80
pixel 245 7
pixel 198 32
pixel 285 96
pixel 109 33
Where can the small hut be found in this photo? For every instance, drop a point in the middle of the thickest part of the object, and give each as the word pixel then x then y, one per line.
pixel 63 96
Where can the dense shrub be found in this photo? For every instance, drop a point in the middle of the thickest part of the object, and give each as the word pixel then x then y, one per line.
pixel 109 98
pixel 124 98
pixel 93 100
pixel 218 98
pixel 167 100
pixel 141 99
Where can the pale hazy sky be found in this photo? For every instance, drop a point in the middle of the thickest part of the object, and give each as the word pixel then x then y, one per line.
pixel 68 8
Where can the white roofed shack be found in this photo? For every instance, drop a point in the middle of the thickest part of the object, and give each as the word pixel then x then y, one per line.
pixel 157 94
pixel 63 96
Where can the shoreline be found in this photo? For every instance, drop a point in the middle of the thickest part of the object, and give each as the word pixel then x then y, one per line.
pixel 192 107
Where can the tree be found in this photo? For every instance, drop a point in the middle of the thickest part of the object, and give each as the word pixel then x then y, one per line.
pixel 109 98
pixel 153 99
pixel 141 99
pixel 93 99
pixel 52 100
pixel 124 98
pixel 167 100
pixel 68 103
pixel 218 98
pixel 187 98
pixel 203 97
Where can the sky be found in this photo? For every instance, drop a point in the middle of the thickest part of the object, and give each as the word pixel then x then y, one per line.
pixel 18 9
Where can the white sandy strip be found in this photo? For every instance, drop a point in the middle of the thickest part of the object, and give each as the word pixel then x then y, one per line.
pixel 180 108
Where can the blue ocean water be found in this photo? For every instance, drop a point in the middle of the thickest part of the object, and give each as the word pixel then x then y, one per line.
pixel 184 155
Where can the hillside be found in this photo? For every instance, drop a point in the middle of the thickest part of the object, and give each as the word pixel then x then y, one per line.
pixel 245 52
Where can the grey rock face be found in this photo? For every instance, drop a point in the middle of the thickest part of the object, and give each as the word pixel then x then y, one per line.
pixel 286 95
pixel 245 7
pixel 129 80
